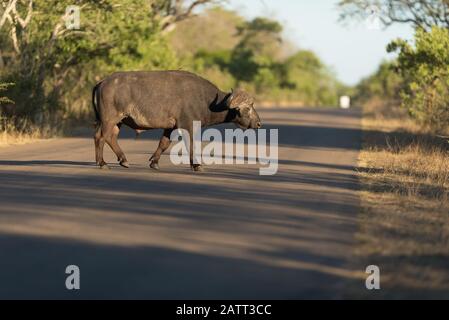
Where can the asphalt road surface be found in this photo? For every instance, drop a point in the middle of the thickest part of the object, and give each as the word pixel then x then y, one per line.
pixel 225 233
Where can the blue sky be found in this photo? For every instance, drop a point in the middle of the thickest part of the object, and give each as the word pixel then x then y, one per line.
pixel 352 51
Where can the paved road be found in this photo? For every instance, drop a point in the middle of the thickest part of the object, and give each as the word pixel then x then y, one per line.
pixel 225 233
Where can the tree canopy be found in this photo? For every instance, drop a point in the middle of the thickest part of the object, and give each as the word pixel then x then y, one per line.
pixel 54 67
pixel 422 14
pixel 418 79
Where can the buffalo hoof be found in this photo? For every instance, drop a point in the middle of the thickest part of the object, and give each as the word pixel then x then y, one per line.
pixel 104 166
pixel 197 168
pixel 154 165
pixel 124 164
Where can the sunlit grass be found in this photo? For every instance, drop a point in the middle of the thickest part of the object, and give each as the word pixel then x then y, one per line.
pixel 21 131
pixel 404 228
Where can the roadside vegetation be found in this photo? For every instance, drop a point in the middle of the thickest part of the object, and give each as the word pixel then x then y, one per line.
pixel 404 167
pixel 404 224
pixel 54 68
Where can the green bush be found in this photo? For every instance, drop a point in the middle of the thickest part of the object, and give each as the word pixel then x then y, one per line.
pixel 383 86
pixel 54 72
pixel 3 87
pixel 425 68
pixel 55 69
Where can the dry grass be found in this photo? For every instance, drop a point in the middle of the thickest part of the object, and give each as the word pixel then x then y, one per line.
pixel 280 104
pixel 13 131
pixel 405 199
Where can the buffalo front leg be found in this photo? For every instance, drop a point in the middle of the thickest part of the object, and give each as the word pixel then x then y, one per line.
pixel 164 143
pixel 195 166
pixel 189 128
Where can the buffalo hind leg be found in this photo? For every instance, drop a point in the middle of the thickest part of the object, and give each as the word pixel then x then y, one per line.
pixel 164 143
pixel 99 145
pixel 121 158
pixel 110 134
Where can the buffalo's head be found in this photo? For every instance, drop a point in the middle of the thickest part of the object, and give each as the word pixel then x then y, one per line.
pixel 242 104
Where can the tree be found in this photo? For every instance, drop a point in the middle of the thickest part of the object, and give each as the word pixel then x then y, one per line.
pixel 54 66
pixel 425 66
pixel 10 14
pixel 3 87
pixel 171 12
pixel 214 30
pixel 385 83
pixel 262 36
pixel 252 54
pixel 253 57
pixel 304 73
pixel 422 14
pixel 422 66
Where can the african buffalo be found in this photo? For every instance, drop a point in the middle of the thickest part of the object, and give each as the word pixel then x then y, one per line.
pixel 166 100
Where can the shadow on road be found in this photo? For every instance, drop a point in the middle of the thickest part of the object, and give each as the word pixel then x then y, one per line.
pixel 45 163
pixel 215 236
pixel 226 233
pixel 151 273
